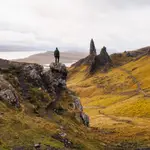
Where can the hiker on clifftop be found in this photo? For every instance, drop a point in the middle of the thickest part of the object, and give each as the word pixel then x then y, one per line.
pixel 56 55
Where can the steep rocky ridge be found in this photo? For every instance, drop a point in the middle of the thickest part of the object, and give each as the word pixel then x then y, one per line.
pixel 119 59
pixel 32 76
pixel 28 91
pixel 95 62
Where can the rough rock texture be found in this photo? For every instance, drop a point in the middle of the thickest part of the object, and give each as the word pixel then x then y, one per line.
pixel 48 80
pixel 33 73
pixel 92 48
pixel 104 57
pixel 8 93
pixel 55 78
pixel 85 119
pixel 77 104
pixel 45 89
pixel 78 108
pixel 101 61
pixel 95 62
pixel 58 74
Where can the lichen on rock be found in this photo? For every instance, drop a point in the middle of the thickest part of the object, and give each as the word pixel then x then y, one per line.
pixel 44 89
pixel 7 93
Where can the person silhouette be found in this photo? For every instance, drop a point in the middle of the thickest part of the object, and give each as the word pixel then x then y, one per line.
pixel 56 55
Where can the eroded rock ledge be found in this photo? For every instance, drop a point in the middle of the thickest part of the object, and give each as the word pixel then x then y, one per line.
pixel 46 90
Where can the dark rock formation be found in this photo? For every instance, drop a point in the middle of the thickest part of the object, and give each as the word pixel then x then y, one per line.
pixel 85 61
pixel 104 57
pixel 55 77
pixel 92 48
pixel 148 53
pixel 95 62
pixel 102 62
pixel 138 53
pixel 8 93
pixel 90 58
pixel 45 89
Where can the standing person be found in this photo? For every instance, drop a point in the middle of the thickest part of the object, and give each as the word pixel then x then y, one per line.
pixel 56 55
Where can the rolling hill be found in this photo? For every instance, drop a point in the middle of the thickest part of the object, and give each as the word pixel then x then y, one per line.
pixel 117 100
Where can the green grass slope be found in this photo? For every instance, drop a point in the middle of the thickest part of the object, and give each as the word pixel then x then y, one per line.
pixel 118 102
pixel 34 122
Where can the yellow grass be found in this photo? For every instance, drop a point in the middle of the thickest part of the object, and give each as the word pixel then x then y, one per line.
pixel 114 101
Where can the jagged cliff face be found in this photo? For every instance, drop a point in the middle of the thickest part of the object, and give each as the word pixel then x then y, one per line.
pixel 92 48
pixel 20 82
pixel 33 91
pixel 101 62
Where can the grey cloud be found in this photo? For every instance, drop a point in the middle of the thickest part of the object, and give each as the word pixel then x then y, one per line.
pixel 69 24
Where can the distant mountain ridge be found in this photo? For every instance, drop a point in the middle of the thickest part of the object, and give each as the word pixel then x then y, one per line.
pixel 48 57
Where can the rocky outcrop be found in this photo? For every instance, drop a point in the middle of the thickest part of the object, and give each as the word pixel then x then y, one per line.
pixel 104 57
pixel 45 89
pixel 92 48
pixel 95 62
pixel 33 74
pixel 102 62
pixel 55 78
pixel 47 80
pixel 77 107
pixel 7 93
pixel 76 103
pixel 85 119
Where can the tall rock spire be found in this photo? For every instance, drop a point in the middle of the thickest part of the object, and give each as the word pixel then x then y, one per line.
pixel 104 57
pixel 92 47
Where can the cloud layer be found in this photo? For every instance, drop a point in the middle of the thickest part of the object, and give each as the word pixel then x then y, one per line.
pixel 70 24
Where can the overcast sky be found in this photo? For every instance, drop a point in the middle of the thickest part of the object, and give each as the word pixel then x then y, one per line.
pixel 70 24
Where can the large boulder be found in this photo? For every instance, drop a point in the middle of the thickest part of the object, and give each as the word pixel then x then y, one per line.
pixel 7 93
pixel 49 79
pixel 77 107
pixel 55 77
pixel 76 103
pixel 58 70
pixel 33 72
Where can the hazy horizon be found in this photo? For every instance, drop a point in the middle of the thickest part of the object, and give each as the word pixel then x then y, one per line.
pixel 69 25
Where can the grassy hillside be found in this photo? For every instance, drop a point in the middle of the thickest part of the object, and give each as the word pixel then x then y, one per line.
pixel 24 128
pixel 118 102
pixel 31 113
